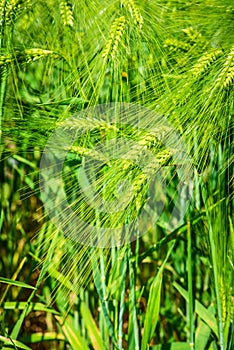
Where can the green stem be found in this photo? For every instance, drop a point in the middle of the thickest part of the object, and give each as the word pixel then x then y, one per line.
pixel 133 298
pixel 4 75
pixel 214 258
pixel 190 286
pixel 4 70
pixel 123 270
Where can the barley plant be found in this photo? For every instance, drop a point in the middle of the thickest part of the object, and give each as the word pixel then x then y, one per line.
pixel 130 91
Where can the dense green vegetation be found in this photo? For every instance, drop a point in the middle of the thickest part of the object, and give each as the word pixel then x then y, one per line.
pixel 172 286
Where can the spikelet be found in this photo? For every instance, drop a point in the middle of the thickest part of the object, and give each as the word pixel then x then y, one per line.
pixel 13 9
pixel 226 76
pixel 176 45
pixel 66 13
pixel 134 11
pixel 36 53
pixel 192 34
pixel 2 6
pixel 5 59
pixel 25 56
pixel 223 294
pixel 113 41
pixel 205 61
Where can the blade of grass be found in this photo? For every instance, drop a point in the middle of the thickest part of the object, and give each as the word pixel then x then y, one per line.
pixel 92 329
pixel 39 337
pixel 72 335
pixel 18 325
pixel 152 311
pixel 12 342
pixel 215 270
pixel 202 336
pixel 123 270
pixel 172 346
pixel 206 315
pixel 99 286
pixel 13 305
pixel 190 286
pixel 11 280
pixel 15 283
pixel 133 329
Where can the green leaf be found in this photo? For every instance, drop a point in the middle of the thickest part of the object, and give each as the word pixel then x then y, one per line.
pixel 72 334
pixel 15 283
pixel 172 346
pixel 39 337
pixel 24 161
pixel 99 286
pixel 26 178
pixel 92 329
pixel 13 343
pixel 18 325
pixel 152 312
pixel 206 315
pixel 153 306
pixel 12 305
pixel 202 336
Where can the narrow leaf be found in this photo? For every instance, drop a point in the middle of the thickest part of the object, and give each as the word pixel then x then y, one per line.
pixel 12 305
pixel 153 306
pixel 72 335
pixel 172 346
pixel 202 336
pixel 92 328
pixel 13 342
pixel 15 283
pixel 39 337
pixel 205 314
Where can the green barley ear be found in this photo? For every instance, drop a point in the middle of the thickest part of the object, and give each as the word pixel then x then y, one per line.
pixel 35 54
pixel 2 8
pixel 193 34
pixel 134 11
pixel 176 45
pixel 5 59
pixel 66 13
pixel 26 56
pixel 226 294
pixel 205 61
pixel 14 8
pixel 114 40
pixel 227 74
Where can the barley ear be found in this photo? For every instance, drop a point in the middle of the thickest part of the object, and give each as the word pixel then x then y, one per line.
pixel 176 45
pixel 66 13
pixel 226 76
pixel 26 56
pixel 14 8
pixel 134 11
pixel 114 39
pixel 205 61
